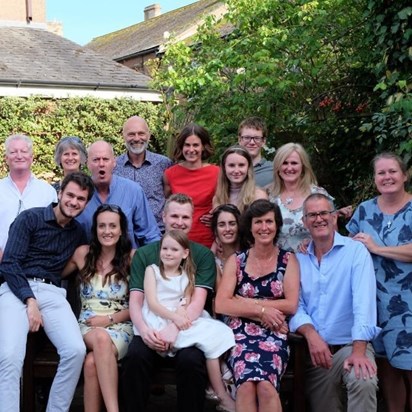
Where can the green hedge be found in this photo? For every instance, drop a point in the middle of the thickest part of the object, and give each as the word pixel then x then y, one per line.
pixel 47 120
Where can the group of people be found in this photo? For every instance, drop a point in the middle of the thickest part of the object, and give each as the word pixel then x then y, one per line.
pixel 154 242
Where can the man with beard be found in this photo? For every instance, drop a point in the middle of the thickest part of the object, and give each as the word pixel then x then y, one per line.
pixel 40 242
pixel 142 166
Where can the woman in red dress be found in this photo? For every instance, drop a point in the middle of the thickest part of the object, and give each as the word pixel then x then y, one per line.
pixel 195 178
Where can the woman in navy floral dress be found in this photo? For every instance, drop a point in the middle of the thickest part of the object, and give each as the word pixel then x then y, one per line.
pixel 260 287
pixel 384 225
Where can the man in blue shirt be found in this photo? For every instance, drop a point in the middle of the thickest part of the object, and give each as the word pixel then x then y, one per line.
pixel 40 242
pixel 111 189
pixel 336 314
pixel 143 166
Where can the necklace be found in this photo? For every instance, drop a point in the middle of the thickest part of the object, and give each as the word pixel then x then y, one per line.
pixel 103 267
pixel 265 264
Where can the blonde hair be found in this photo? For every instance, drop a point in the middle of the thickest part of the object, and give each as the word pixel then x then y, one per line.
pixel 248 191
pixel 187 264
pixel 307 178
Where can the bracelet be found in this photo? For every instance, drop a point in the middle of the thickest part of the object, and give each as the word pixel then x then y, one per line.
pixel 262 312
pixel 111 319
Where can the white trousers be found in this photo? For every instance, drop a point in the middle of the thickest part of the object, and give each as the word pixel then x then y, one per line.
pixel 63 331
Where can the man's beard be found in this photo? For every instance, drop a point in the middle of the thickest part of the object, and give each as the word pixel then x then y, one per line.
pixel 137 150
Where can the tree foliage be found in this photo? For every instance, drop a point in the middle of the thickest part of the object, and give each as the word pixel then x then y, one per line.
pixel 47 120
pixel 304 66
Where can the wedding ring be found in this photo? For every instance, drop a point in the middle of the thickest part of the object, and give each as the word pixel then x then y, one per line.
pixel 275 324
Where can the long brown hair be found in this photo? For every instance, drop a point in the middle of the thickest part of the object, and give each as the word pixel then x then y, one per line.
pixel 187 264
pixel 121 260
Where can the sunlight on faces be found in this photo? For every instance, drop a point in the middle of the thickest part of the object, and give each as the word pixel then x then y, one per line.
pixel 70 160
pixel 178 216
pixel 227 228
pixel 101 162
pixel 136 135
pixel 19 156
pixel 319 226
pixel 389 177
pixel 108 228
pixel 72 200
pixel 236 168
pixel 172 253
pixel 291 169
pixel 252 146
pixel 192 149
pixel 264 228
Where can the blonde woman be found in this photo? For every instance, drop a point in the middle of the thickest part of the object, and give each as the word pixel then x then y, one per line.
pixel 236 183
pixel 293 181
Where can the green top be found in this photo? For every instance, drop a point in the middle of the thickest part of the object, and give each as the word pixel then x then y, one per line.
pixel 149 254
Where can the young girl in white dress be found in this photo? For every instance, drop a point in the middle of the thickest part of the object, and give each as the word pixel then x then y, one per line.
pixel 168 290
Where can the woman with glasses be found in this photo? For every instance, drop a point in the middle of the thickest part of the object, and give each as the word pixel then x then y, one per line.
pixel 236 184
pixel 293 181
pixel 70 154
pixel 104 318
pixel 195 178
pixel 259 288
pixel 384 225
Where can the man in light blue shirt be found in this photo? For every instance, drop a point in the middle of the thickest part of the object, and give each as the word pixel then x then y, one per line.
pixel 119 191
pixel 336 314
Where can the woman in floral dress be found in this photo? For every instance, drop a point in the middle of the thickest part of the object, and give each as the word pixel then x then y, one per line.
pixel 384 225
pixel 260 287
pixel 104 318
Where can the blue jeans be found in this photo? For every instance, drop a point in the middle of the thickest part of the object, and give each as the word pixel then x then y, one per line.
pixel 62 329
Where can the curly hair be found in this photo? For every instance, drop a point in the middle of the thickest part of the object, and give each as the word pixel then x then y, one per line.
pixel 121 261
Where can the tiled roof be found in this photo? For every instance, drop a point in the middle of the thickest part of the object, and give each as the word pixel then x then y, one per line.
pixel 39 56
pixel 149 34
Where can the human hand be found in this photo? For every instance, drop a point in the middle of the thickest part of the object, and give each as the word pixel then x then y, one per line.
pixel 303 246
pixel 272 318
pixel 319 351
pixel 366 240
pixel 364 367
pixel 168 335
pixel 182 321
pixel 345 212
pixel 34 315
pixel 98 321
pixel 206 219
pixel 152 339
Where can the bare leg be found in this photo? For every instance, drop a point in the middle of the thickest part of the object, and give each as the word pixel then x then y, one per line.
pixel 408 379
pixel 92 395
pixel 393 386
pixel 246 397
pixel 215 377
pixel 105 359
pixel 268 397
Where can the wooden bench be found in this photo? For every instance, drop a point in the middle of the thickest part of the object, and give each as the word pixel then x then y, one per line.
pixel 42 360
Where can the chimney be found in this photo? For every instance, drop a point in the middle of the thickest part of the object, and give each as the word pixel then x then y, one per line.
pixel 151 11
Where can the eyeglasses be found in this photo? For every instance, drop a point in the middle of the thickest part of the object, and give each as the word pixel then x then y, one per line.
pixel 323 214
pixel 109 208
pixel 247 139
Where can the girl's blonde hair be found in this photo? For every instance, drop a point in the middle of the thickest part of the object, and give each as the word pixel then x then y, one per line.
pixel 248 190
pixel 187 264
pixel 307 178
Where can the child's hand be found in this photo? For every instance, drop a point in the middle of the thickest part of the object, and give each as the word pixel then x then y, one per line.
pixel 182 321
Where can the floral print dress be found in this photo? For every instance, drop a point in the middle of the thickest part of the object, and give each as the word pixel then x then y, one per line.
pixel 99 300
pixel 393 277
pixel 260 354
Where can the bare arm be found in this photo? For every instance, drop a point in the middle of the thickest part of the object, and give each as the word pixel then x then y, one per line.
pixel 150 291
pixel 77 261
pixel 149 336
pixel 403 253
pixel 166 187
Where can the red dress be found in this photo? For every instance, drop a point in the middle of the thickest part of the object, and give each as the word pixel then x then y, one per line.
pixel 200 184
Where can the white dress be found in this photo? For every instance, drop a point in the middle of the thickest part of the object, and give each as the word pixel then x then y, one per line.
pixel 211 336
